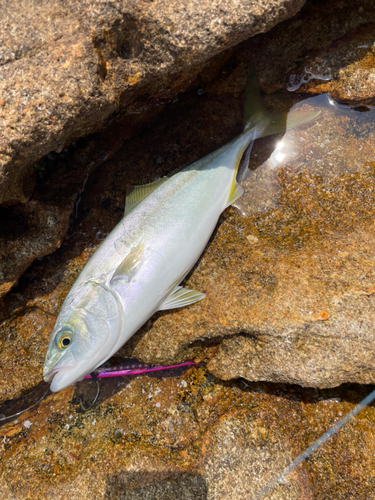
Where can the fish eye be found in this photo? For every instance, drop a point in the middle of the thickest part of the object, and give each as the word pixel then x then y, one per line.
pixel 63 340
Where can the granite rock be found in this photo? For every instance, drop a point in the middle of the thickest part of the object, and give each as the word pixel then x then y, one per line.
pixel 66 69
pixel 347 65
pixel 186 435
pixel 290 290
pixel 289 284
pixel 326 41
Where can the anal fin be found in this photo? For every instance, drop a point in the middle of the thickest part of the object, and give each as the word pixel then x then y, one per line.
pixel 181 297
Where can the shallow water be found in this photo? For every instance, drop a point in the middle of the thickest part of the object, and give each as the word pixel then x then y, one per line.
pixel 341 140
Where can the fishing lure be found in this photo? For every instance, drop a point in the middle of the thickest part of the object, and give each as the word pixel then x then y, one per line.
pixel 133 369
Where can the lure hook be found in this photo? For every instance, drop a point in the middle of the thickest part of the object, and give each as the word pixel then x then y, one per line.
pixel 81 404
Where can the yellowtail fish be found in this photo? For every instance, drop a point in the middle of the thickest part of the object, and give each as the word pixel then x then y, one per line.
pixel 138 268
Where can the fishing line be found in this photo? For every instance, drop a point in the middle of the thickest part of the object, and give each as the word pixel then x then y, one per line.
pixel 26 409
pixel 281 477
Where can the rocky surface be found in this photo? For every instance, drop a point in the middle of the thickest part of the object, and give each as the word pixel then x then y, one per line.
pixel 327 41
pixel 68 70
pixel 186 436
pixel 303 256
pixel 290 289
pixel 348 65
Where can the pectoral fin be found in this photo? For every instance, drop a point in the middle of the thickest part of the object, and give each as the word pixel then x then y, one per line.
pixel 181 297
pixel 130 264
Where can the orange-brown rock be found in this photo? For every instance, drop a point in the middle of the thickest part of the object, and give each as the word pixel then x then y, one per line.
pixel 326 41
pixel 186 436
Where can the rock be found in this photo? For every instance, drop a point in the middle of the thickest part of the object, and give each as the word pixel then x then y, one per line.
pixel 290 298
pixel 186 435
pixel 325 41
pixel 28 233
pixel 285 282
pixel 32 230
pixel 348 64
pixel 87 66
pixel 63 79
pixel 308 306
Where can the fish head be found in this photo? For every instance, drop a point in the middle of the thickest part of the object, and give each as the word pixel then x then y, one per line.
pixel 86 331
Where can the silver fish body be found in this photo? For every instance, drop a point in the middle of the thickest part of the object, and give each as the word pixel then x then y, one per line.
pixel 137 269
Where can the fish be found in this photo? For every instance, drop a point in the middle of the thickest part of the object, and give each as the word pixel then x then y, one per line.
pixel 138 268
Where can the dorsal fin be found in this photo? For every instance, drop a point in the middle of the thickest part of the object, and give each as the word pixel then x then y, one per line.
pixel 135 194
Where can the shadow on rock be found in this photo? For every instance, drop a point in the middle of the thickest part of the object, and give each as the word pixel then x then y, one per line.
pixel 145 486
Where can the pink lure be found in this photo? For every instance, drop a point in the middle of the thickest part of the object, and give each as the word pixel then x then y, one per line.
pixel 135 369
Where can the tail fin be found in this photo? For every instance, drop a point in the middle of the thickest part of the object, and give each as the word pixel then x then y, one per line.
pixel 258 122
pixel 255 114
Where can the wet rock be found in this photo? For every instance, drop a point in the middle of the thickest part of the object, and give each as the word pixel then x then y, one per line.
pixel 28 233
pixel 283 283
pixel 308 272
pixel 325 41
pixel 35 229
pixel 348 64
pixel 187 435
pixel 290 290
pixel 289 285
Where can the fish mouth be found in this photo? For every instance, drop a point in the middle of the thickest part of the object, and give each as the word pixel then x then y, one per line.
pixel 55 376
pixel 66 372
pixel 48 376
pixel 58 364
pixel 60 379
pixel 63 377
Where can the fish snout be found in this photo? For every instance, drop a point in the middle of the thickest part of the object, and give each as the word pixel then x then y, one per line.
pixel 57 363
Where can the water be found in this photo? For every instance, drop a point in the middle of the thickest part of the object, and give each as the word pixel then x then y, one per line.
pixel 340 140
